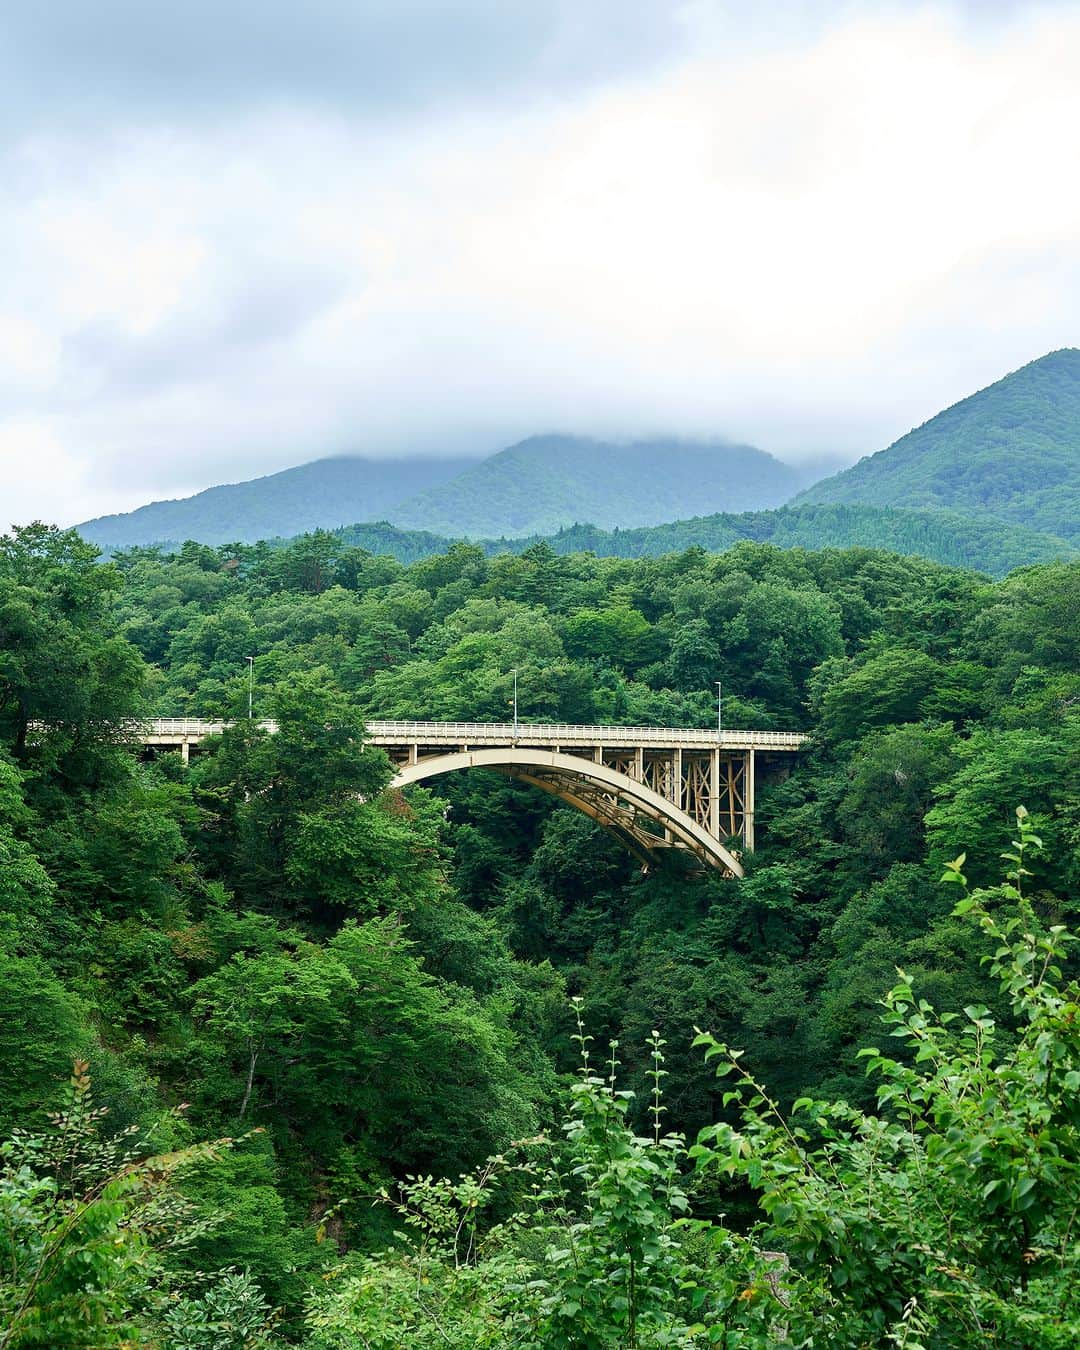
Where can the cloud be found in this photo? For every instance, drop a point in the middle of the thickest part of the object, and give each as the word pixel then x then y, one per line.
pixel 217 332
pixel 42 479
pixel 198 60
pixel 809 239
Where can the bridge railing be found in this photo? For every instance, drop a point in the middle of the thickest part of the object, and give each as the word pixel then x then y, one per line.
pixel 573 732
pixel 188 726
pixel 554 733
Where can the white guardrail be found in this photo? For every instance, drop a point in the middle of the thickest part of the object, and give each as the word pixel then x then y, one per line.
pixel 477 733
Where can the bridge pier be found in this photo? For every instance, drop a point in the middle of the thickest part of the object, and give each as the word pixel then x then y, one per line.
pixel 714 793
pixel 749 774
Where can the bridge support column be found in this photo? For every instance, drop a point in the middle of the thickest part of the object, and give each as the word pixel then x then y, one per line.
pixel 748 801
pixel 714 793
pixel 676 777
pixel 185 751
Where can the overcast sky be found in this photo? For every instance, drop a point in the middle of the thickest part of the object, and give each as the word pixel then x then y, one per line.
pixel 241 234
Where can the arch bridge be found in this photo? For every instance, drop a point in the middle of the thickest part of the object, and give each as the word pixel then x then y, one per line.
pixel 654 788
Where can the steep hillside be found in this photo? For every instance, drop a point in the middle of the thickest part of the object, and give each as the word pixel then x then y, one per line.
pixel 548 482
pixel 320 495
pixel 1011 451
pixel 942 536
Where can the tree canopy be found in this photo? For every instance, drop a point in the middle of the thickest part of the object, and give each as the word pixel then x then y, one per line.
pixel 363 989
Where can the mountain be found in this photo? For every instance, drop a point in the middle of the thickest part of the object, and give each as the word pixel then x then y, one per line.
pixel 1011 452
pixel 1008 454
pixel 548 482
pixel 320 495
pixel 538 486
pixel 983 544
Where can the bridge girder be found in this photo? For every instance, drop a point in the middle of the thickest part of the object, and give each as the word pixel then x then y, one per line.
pixel 600 807
pixel 622 804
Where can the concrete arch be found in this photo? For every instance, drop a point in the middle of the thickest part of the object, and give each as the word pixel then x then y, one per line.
pixel 612 798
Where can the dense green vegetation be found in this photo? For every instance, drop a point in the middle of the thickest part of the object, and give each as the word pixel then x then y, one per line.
pixel 1011 452
pixel 980 543
pixel 943 536
pixel 943 1219
pixel 984 545
pixel 296 991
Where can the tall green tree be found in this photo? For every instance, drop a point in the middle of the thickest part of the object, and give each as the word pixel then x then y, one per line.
pixel 69 684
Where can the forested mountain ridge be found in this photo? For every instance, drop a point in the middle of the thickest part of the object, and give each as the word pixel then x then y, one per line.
pixel 991 483
pixel 986 545
pixel 319 495
pixel 548 482
pixel 983 544
pixel 534 487
pixel 350 988
pixel 1010 451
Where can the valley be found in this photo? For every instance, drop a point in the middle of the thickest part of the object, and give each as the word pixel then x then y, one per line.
pixel 357 987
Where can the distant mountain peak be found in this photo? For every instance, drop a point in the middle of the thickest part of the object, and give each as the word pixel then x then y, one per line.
pixel 536 486
pixel 1011 450
pixel 324 493
pixel 553 480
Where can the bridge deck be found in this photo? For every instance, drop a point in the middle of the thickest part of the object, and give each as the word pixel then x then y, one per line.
pixel 174 730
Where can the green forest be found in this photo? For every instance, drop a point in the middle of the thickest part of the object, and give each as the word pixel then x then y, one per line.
pixel 289 1058
pixel 982 544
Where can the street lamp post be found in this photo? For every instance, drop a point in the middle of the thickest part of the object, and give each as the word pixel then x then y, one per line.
pixel 515 675
pixel 719 710
pixel 251 684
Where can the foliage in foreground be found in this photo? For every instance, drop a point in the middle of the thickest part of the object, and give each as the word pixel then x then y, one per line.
pixel 91 1224
pixel 945 1218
